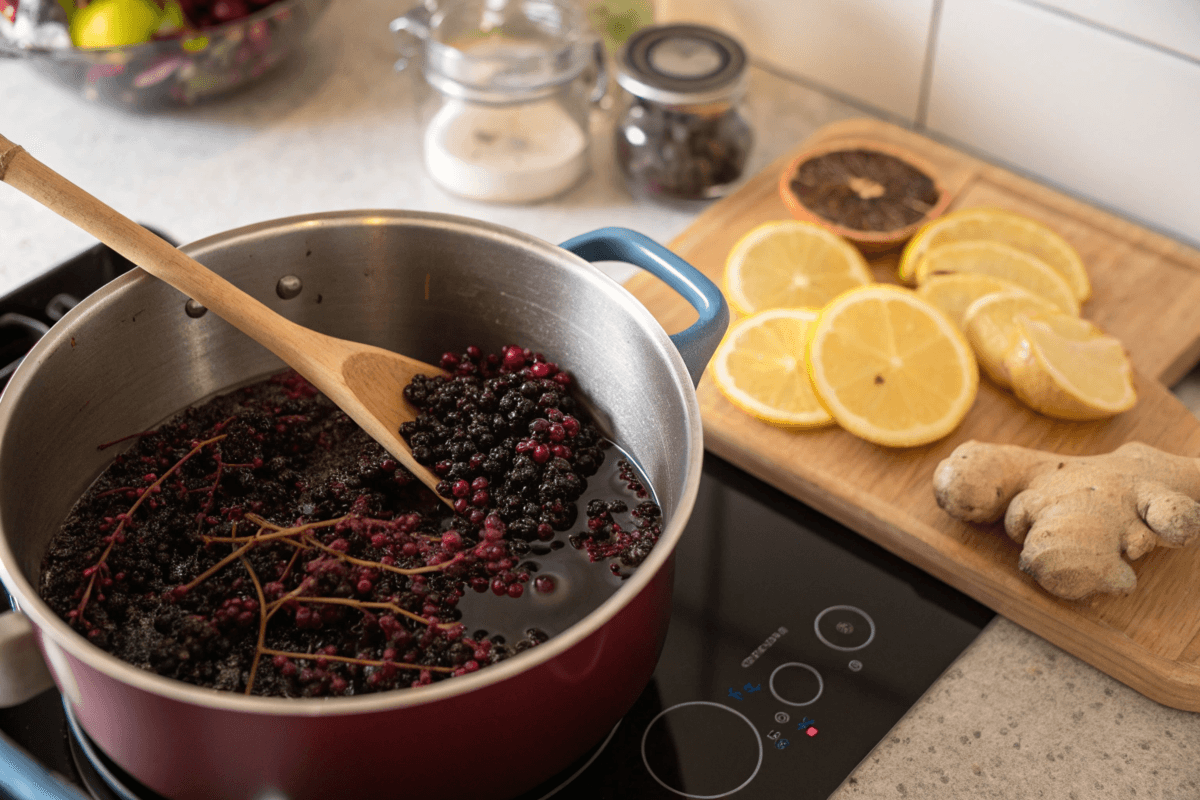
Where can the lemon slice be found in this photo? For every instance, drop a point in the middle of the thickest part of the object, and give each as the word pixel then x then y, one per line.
pixel 990 326
pixel 953 294
pixel 1002 226
pixel 760 367
pixel 891 367
pixel 791 264
pixel 1068 378
pixel 999 261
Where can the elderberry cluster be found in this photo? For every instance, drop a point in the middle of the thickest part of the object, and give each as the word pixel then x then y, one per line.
pixel 606 538
pixel 504 435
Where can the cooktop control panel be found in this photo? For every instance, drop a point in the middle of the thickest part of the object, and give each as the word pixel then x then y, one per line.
pixel 704 748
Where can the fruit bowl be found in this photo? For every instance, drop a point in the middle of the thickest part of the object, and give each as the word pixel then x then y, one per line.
pixel 875 195
pixel 180 71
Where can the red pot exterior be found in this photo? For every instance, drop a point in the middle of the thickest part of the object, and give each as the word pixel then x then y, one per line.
pixel 494 742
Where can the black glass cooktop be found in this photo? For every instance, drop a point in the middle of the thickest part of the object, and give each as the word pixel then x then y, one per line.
pixel 795 645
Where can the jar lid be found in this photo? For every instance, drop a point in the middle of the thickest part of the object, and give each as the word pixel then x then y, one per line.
pixel 682 64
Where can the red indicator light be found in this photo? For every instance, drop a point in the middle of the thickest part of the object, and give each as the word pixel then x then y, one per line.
pixel 812 730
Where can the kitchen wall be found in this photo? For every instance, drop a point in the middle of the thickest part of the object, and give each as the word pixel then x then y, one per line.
pixel 1100 98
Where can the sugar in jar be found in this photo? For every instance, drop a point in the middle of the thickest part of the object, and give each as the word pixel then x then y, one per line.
pixel 507 95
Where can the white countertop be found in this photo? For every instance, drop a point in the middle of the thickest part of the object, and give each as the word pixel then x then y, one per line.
pixel 1015 717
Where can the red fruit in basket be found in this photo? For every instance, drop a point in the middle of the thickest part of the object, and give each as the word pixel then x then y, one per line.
pixel 229 10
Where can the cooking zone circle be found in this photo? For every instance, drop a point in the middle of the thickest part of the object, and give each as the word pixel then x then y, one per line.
pixel 793 684
pixel 844 628
pixel 699 727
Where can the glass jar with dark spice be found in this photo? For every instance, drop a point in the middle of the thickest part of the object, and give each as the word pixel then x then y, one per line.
pixel 681 132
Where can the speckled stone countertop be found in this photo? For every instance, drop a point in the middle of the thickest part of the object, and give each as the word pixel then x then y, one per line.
pixel 1013 718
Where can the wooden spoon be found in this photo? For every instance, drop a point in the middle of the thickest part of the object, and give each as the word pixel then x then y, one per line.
pixel 364 381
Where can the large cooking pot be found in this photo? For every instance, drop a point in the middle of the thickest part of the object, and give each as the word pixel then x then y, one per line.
pixel 132 354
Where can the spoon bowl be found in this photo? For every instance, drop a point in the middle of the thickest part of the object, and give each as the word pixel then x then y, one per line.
pixel 364 381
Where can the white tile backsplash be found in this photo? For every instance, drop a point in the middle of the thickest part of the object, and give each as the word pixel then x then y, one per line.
pixel 1111 120
pixel 1172 24
pixel 1098 97
pixel 870 50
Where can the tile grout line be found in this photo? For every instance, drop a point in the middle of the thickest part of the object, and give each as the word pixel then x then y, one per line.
pixel 926 81
pixel 1117 32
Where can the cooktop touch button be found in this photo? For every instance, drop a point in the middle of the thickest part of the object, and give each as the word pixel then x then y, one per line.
pixel 844 628
pixel 702 750
pixel 796 684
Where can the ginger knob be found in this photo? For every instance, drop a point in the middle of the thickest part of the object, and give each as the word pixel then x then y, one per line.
pixel 1075 516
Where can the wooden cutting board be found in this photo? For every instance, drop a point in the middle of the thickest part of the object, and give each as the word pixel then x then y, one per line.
pixel 1146 291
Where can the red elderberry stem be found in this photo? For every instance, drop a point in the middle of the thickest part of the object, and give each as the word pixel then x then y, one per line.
pixel 107 445
pixel 215 568
pixel 294 594
pixel 362 562
pixel 117 490
pixel 291 562
pixel 349 660
pixel 128 515
pixel 279 531
pixel 262 623
pixel 248 542
pixel 361 604
pixel 212 493
pixel 265 537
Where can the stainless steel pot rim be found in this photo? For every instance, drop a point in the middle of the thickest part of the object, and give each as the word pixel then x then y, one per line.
pixel 26 600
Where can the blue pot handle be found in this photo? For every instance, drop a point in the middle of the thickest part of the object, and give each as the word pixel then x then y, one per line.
pixel 23 778
pixel 697 343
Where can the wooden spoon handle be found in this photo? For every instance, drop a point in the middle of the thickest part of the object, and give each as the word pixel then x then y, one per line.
pixel 292 343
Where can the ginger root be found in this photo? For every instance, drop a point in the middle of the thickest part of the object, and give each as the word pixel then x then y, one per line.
pixel 1075 515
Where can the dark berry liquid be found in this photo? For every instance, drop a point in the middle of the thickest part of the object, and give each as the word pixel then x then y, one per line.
pixel 566 584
